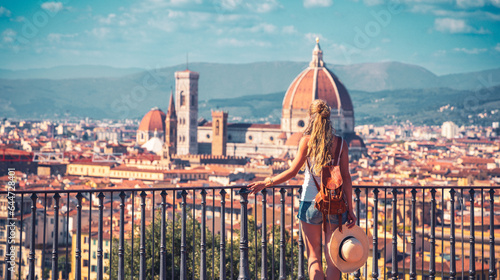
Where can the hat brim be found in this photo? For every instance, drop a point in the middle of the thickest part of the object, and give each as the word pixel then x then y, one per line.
pixel 337 237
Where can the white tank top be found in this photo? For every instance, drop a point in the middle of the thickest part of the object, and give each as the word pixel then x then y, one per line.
pixel 309 190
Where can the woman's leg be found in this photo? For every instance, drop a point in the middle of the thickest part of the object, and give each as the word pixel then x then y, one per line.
pixel 312 240
pixel 332 272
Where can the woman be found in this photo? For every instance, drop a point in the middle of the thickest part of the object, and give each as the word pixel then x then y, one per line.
pixel 317 146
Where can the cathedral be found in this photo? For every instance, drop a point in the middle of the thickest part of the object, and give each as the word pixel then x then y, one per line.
pixel 182 135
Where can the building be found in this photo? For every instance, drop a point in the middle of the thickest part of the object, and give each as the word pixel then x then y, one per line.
pixel 449 130
pixel 152 123
pixel 219 138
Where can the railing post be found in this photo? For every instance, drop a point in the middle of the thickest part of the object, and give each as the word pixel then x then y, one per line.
pixel 203 249
pixel 282 236
pixel 9 266
pixel 163 251
pixel 183 237
pixel 472 256
pixel 375 235
pixel 452 236
pixel 432 265
pixel 413 262
pixel 222 272
pixel 100 250
pixel 121 248
pixel 244 273
pixel 142 248
pixel 78 250
pixel 357 191
pixel 492 271
pixel 32 237
pixel 263 272
pixel 55 257
pixel 394 273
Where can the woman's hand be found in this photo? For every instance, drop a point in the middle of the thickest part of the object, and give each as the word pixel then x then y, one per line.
pixel 256 187
pixel 351 219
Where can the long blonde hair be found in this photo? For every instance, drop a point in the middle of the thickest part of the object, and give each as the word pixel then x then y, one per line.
pixel 322 134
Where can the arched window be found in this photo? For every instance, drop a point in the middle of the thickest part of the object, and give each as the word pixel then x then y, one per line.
pixel 217 127
pixel 183 99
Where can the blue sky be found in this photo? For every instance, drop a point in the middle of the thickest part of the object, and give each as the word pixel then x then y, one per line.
pixel 445 36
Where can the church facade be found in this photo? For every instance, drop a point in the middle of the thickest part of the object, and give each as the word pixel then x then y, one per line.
pixel 219 138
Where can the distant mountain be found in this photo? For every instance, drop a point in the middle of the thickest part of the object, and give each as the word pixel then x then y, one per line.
pixel 133 94
pixel 68 72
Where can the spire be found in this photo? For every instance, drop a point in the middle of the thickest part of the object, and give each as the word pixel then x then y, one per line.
pixel 317 56
pixel 171 106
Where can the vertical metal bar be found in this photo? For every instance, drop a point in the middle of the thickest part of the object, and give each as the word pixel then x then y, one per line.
pixel 44 231
pixel 55 256
pixel 282 237
pixel 462 206
pixel 432 264
pixel 366 228
pixel 357 191
pixel 291 234
pixel 90 235
pixel 394 273
pixel 133 234
pixel 20 264
pixel 203 249
pixel 121 248
pixel 111 212
pixel 222 234
pixel 142 247
pixel 272 232
pixel 153 233
pixel 452 236
pixel 78 250
pixel 492 271
pixel 183 237
pixel 32 237
pixel 404 234
pixel 173 234
pixel 163 247
pixel 9 267
pixel 413 270
pixel 255 236
pixel 472 252
pixel 442 233
pixel 483 276
pixel 244 273
pixel 213 234
pixel 385 233
pixel 66 264
pixel 423 221
pixel 263 272
pixel 375 234
pixel 100 237
pixel 232 260
pixel 194 234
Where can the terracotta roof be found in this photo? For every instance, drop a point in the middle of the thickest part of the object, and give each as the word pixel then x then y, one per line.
pixel 294 139
pixel 153 120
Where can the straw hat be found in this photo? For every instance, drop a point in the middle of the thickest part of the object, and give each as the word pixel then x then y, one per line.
pixel 349 249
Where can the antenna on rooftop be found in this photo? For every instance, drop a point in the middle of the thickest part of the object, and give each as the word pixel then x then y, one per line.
pixel 187 61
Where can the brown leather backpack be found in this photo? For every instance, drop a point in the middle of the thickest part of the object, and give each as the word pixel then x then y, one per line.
pixel 330 198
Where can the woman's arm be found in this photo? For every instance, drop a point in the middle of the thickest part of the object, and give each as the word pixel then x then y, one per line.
pixel 286 175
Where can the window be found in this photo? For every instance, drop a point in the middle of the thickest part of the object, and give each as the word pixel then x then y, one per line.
pixel 1 252
pixel 85 240
pixel 51 221
pixel 208 136
pixel 229 137
pixel 217 127
pixel 271 138
pixel 250 137
pixel 93 268
pixel 94 241
pixel 183 98
pixel 301 123
pixel 193 103
pixel 106 255
pixel 93 255
pixel 85 262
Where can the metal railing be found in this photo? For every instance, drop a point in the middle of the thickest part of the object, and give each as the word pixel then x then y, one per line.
pixel 416 232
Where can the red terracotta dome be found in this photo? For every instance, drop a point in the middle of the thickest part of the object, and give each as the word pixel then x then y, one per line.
pixel 153 120
pixel 317 82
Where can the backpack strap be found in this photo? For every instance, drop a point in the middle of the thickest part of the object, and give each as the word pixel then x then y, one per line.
pixel 338 150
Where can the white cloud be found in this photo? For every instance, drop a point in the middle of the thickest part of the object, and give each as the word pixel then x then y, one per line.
pixel 256 6
pixel 470 51
pixel 107 20
pixel 386 40
pixel 373 2
pixel 289 29
pixel 56 37
pixel 497 47
pixel 311 37
pixel 439 53
pixel 317 3
pixel 454 26
pixel 53 7
pixel 242 43
pixel 100 32
pixel 18 19
pixel 4 12
pixel 8 35
pixel 470 3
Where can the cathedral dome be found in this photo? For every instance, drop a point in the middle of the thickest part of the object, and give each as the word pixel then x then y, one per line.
pixel 316 82
pixel 153 120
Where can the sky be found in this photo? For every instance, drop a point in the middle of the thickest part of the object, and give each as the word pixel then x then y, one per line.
pixel 444 36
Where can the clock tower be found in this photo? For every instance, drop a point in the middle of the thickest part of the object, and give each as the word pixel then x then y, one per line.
pixel 186 95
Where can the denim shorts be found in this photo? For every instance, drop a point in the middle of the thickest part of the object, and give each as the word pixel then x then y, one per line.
pixel 309 214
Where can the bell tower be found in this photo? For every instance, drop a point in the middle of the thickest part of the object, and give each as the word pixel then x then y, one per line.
pixel 219 133
pixel 186 95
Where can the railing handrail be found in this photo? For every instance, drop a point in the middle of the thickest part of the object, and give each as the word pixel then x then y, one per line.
pixel 234 187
